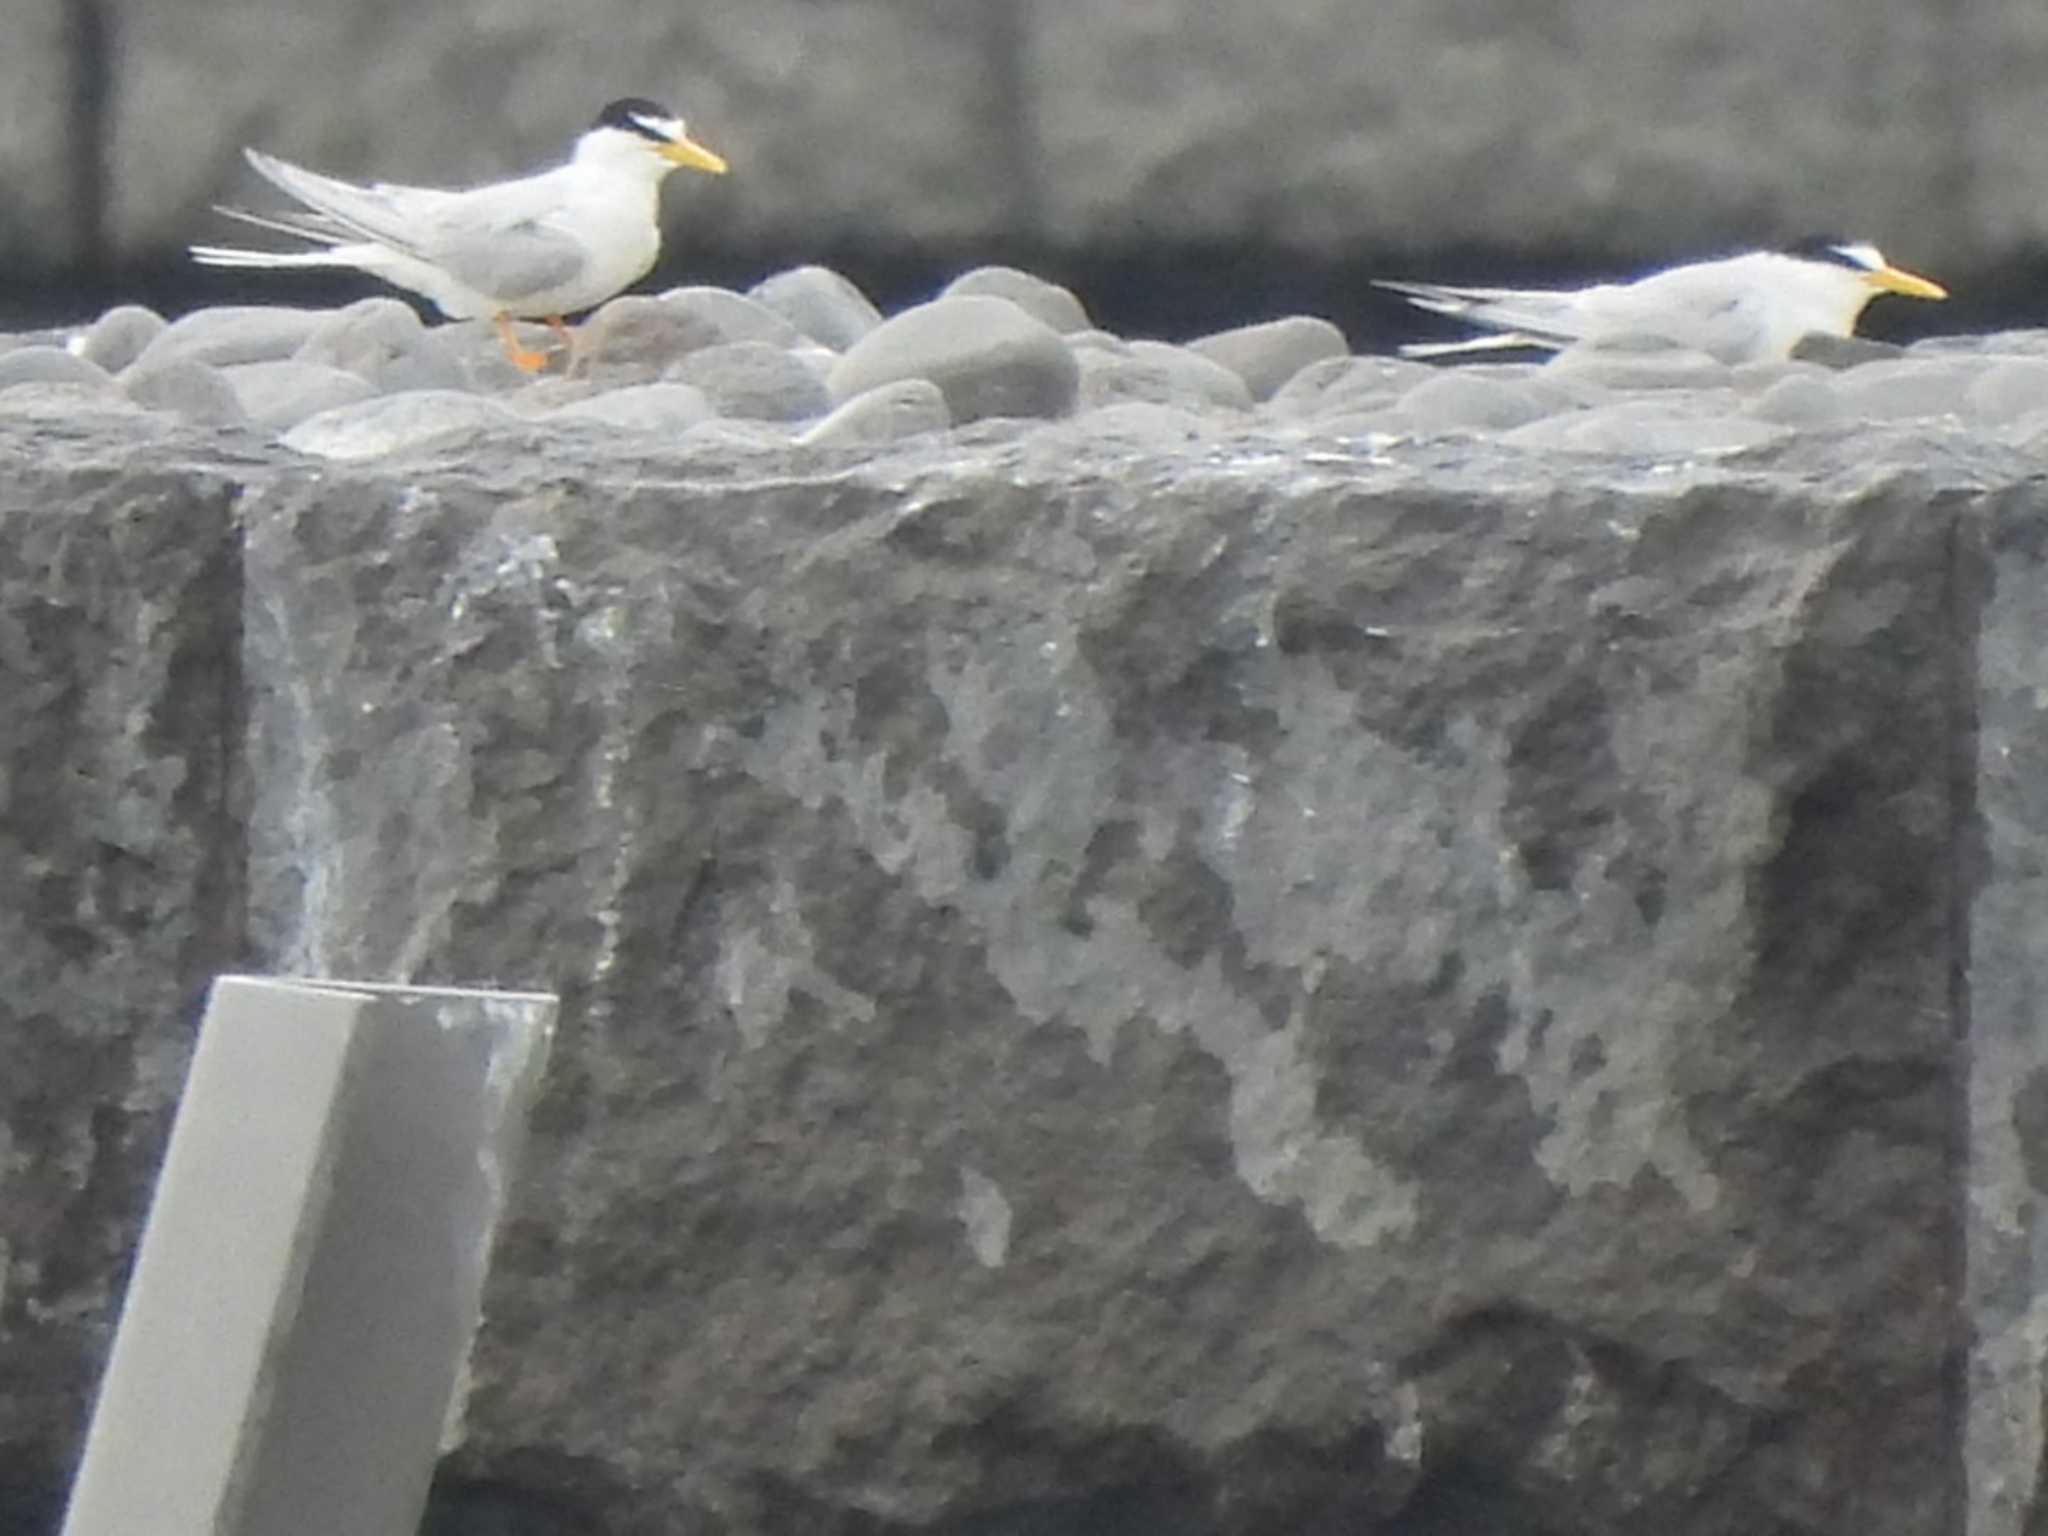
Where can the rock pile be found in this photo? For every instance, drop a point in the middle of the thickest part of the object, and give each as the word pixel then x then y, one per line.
pixel 804 358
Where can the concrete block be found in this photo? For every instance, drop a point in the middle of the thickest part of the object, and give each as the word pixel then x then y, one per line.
pixel 310 1275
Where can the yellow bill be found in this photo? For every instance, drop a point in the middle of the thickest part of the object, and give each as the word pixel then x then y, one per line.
pixel 687 151
pixel 1894 280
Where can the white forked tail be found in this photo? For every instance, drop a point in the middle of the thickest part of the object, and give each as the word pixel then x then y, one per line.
pixel 1508 341
pixel 236 256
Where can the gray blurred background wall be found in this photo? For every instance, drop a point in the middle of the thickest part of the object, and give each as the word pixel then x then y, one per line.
pixel 1186 163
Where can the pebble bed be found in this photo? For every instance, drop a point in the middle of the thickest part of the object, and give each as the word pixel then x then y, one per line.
pixel 805 358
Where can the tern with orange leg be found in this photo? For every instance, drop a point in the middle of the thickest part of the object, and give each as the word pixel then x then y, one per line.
pixel 536 248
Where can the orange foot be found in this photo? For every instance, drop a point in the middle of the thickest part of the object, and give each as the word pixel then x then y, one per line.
pixel 525 360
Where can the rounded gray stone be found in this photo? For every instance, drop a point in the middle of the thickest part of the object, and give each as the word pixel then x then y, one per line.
pixel 119 336
pixel 388 422
pixel 1644 429
pixel 1902 388
pixel 72 407
pixel 1799 400
pixel 1143 423
pixel 986 355
pixel 1843 351
pixel 754 380
pixel 1457 399
pixel 1626 365
pixel 1049 302
pixel 51 365
pixel 734 316
pixel 657 407
pixel 1346 384
pixel 1270 353
pixel 234 333
pixel 722 433
pixel 819 302
pixel 186 388
pixel 638 333
pixel 1199 379
pixel 1159 374
pixel 2007 389
pixel 884 414
pixel 1109 341
pixel 279 395
pixel 383 341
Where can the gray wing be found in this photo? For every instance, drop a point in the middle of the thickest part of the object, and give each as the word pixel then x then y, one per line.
pixel 1551 317
pixel 509 260
pixel 496 240
pixel 1706 312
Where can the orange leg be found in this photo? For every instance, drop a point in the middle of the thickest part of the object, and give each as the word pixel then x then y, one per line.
pixel 560 327
pixel 524 360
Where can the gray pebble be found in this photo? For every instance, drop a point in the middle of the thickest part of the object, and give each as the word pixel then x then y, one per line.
pixel 733 316
pixel 1147 422
pixel 658 407
pixel 234 333
pixel 1463 399
pixel 1200 379
pixel 382 340
pixel 1905 388
pixel 1644 429
pixel 884 414
pixel 2007 389
pixel 1842 351
pixel 372 427
pixel 1625 366
pixel 1044 301
pixel 641 335
pixel 278 396
pixel 718 432
pixel 1753 379
pixel 2028 433
pixel 1799 400
pixel 72 406
pixel 756 380
pixel 820 303
pixel 119 336
pixel 986 355
pixel 478 354
pixel 186 388
pixel 1159 374
pixel 51 365
pixel 1270 353
pixel 1346 384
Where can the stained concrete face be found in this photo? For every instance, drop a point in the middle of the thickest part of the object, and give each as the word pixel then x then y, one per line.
pixel 1215 985
pixel 308 1283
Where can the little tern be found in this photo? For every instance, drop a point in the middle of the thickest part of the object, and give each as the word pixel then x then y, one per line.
pixel 1739 309
pixel 536 248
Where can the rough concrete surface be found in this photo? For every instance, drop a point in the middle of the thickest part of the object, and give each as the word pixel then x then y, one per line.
pixel 118 631
pixel 1110 982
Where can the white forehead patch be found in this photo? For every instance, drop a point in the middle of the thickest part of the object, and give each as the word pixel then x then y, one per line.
pixel 1864 254
pixel 667 127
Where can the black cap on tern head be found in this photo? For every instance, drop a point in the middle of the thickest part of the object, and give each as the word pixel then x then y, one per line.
pixel 632 114
pixel 1839 249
